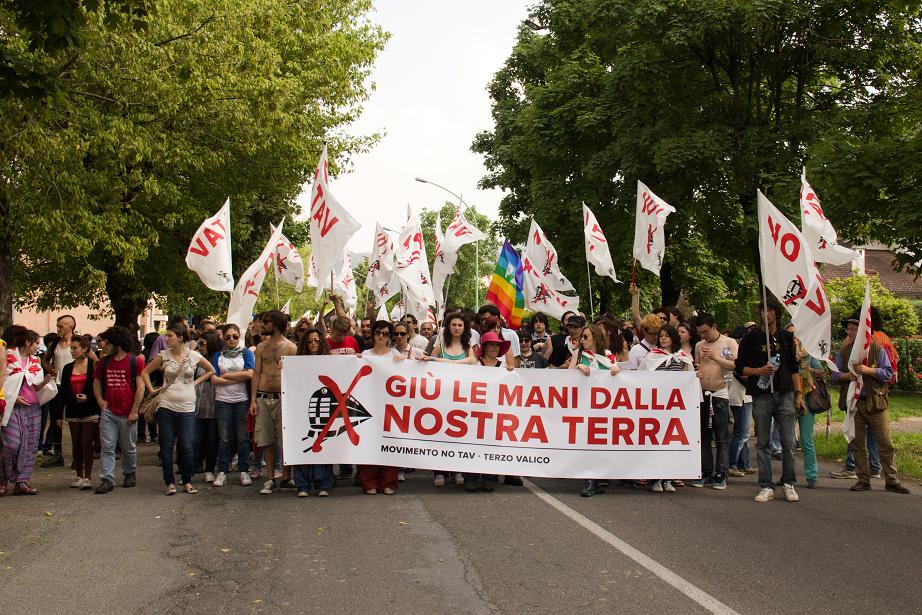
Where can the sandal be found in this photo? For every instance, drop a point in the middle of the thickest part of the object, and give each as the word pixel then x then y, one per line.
pixel 171 490
pixel 188 488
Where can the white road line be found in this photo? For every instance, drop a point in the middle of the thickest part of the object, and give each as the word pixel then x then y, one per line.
pixel 706 600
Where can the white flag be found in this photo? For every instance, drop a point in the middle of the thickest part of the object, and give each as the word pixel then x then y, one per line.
pixel 331 224
pixel 414 304
pixel 400 308
pixel 543 256
pixel 245 294
pixel 861 347
pixel 381 279
pixel 540 296
pixel 411 261
pixel 789 271
pixel 289 268
pixel 209 253
pixel 597 252
pixel 286 309
pixel 344 283
pixel 459 233
pixel 382 313
pixel 649 236
pixel 817 229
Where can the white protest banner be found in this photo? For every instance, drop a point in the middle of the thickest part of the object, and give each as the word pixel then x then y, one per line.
pixel 245 294
pixel 289 268
pixel 817 228
pixel 555 423
pixel 412 263
pixel 597 252
pixel 788 270
pixel 649 224
pixel 209 253
pixel 861 347
pixel 381 278
pixel 543 255
pixel 540 296
pixel 331 224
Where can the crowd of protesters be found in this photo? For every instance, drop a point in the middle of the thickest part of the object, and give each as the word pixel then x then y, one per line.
pixel 217 394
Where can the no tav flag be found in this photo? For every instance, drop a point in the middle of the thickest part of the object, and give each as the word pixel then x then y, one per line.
pixel 289 268
pixel 649 225
pixel 331 224
pixel 245 294
pixel 543 255
pixel 861 347
pixel 209 253
pixel 818 230
pixel 597 252
pixel 789 271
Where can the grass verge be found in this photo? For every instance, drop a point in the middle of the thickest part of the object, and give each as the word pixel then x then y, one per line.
pixel 908 451
pixel 903 405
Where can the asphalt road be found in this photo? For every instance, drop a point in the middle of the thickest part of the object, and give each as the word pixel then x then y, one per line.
pixel 429 550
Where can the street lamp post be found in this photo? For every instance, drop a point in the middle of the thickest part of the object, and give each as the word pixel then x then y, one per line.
pixel 476 243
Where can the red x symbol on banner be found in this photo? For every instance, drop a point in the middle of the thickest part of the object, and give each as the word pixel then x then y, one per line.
pixel 341 407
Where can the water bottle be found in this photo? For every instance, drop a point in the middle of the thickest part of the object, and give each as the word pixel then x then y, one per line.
pixel 765 381
pixel 728 355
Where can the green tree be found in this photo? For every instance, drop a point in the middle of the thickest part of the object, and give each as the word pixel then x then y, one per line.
pixel 463 285
pixel 152 129
pixel 704 101
pixel 846 295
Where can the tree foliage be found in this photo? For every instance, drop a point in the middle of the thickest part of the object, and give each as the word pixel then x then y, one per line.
pixel 151 128
pixel 705 102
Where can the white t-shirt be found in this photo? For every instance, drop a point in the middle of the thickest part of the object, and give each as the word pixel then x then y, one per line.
pixel 180 396
pixel 637 353
pixel 62 358
pixel 419 342
pixel 231 393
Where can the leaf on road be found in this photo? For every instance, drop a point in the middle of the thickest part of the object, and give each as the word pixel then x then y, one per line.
pixel 403 523
pixel 225 550
pixel 48 513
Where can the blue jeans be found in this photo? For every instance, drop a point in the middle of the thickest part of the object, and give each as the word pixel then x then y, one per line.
pixel 232 431
pixel 179 425
pixel 115 429
pixel 873 455
pixel 318 476
pixel 776 439
pixel 779 407
pixel 739 443
pixel 205 446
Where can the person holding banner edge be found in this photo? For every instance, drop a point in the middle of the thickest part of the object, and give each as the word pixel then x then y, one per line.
pixel 772 379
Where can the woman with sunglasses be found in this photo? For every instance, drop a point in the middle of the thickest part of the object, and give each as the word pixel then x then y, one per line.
pixel 233 366
pixel 593 355
pixel 374 478
pixel 401 341
pixel 317 476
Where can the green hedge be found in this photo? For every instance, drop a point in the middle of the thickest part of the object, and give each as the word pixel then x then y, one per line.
pixel 910 368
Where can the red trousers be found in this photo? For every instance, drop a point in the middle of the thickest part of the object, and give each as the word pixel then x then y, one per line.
pixel 377 477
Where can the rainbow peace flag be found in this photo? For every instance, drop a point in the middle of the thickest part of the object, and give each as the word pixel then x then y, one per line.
pixel 506 286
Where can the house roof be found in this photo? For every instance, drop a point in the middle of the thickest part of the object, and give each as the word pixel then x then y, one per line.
pixel 879 261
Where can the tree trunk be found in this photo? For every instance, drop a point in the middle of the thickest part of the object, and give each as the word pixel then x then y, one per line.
pixel 667 287
pixel 127 299
pixel 6 286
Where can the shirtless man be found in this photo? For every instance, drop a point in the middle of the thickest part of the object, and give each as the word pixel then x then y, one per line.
pixel 715 355
pixel 266 395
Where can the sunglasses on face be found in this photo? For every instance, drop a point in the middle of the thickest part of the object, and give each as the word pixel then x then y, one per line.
pixel 663 318
pixel 404 334
pixel 384 333
pixel 232 337
pixel 313 340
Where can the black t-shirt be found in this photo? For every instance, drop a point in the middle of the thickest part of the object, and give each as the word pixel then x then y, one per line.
pixel 753 353
pixel 535 361
pixel 560 353
pixel 363 345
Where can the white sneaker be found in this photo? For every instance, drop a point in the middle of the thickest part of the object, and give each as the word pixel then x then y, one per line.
pixel 766 494
pixel 667 486
pixel 245 479
pixel 86 484
pixel 459 478
pixel 789 494
pixel 401 477
pixel 209 477
pixel 77 484
pixel 657 486
pixel 439 480
pixel 268 487
pixel 220 480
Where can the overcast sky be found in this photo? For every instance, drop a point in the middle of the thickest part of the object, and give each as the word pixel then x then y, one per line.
pixel 430 102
